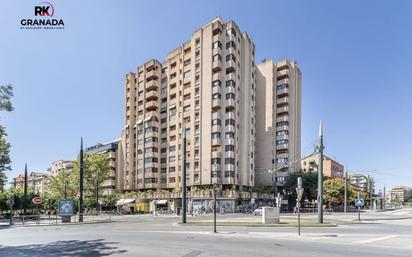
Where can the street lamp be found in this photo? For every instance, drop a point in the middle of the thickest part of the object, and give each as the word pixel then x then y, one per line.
pixel 214 200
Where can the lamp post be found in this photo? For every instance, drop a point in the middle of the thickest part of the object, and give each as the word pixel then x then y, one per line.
pixel 81 182
pixel 183 172
pixel 97 193
pixel 345 200
pixel 25 189
pixel 320 176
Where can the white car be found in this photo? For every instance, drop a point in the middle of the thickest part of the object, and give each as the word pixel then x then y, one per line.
pixel 258 211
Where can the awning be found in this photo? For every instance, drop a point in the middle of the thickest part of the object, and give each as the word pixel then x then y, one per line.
pixel 161 202
pixel 125 201
pixel 148 118
pixel 172 106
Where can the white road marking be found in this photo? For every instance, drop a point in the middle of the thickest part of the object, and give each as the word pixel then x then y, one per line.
pixel 371 240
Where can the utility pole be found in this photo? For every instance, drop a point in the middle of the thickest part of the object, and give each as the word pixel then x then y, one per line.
pixel 345 200
pixel 97 193
pixel 183 171
pixel 81 182
pixel 25 188
pixel 214 202
pixel 320 176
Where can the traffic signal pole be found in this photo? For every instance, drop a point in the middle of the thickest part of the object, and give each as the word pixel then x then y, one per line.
pixel 320 176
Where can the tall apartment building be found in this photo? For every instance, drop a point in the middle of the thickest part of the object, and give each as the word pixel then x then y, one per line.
pixel 112 184
pixel 278 120
pixel 205 87
pixel 400 194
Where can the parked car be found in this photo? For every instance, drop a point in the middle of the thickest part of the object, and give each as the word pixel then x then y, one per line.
pixel 258 211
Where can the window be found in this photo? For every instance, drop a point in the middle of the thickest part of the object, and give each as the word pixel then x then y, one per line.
pixel 282 133
pixel 230 44
pixel 282 123
pixel 172 180
pixel 217 122
pixel 230 161
pixel 230 122
pixel 186 74
pixel 163 150
pixel 229 148
pixel 216 45
pixel 151 139
pixel 283 86
pixel 230 96
pixel 230 57
pixel 151 129
pixel 150 160
pixel 163 90
pixel 282 160
pixel 217 57
pixel 216 135
pixel 216 83
pixel 172 169
pixel 230 173
pixel 172 148
pixel 186 108
pixel 172 158
pixel 151 150
pixel 230 83
pixel 215 160
pixel 231 31
pixel 216 96
pixel 229 135
pixel 282 142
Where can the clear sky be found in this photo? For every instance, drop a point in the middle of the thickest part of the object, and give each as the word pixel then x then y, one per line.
pixel 355 56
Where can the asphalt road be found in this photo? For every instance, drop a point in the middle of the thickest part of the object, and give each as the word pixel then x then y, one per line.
pixel 379 234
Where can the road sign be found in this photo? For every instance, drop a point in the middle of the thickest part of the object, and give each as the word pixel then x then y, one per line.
pixel 359 202
pixel 37 200
pixel 66 208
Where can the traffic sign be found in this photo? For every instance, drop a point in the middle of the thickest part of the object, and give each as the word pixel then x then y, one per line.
pixel 37 200
pixel 359 202
pixel 66 208
pixel 299 192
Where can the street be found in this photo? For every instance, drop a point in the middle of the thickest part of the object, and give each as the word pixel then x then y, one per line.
pixel 378 234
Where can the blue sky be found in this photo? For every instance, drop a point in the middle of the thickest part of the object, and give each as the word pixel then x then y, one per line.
pixel 355 56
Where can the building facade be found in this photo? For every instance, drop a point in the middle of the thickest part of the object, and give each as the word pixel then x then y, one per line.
pixel 113 152
pixel 206 87
pixel 331 168
pixel 401 194
pixel 36 182
pixel 59 166
pixel 364 182
pixel 278 120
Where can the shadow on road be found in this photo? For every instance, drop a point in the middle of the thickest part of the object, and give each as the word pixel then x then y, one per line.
pixel 69 248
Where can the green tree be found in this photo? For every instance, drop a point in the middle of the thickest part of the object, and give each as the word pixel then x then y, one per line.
pixel 334 190
pixel 109 201
pixel 63 183
pixel 309 183
pixel 6 93
pixel 96 170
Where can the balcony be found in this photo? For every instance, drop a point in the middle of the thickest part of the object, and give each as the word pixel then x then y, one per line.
pixel 282 81
pixel 229 167
pixel 216 89
pixel 282 92
pixel 282 110
pixel 152 95
pixel 216 154
pixel 151 106
pixel 282 147
pixel 217 51
pixel 283 72
pixel 282 155
pixel 229 141
pixel 230 128
pixel 215 167
pixel 151 85
pixel 230 66
pixel 215 115
pixel 280 137
pixel 109 183
pixel 216 128
pixel 217 76
pixel 282 118
pixel 153 74
pixel 230 154
pixel 216 141
pixel 281 128
pixel 282 101
pixel 230 104
pixel 216 66
pixel 216 104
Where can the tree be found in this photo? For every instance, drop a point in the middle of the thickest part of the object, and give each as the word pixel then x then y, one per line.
pixel 334 190
pixel 62 184
pixel 6 93
pixel 109 201
pixel 309 183
pixel 96 170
